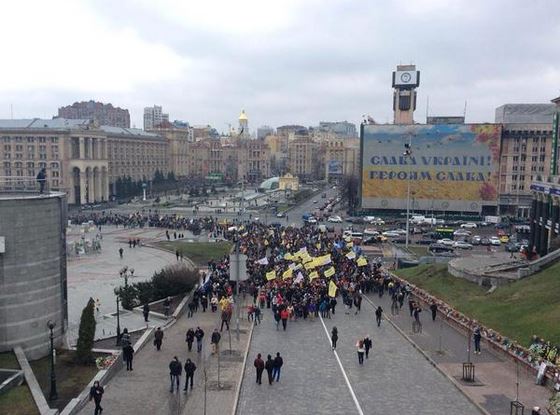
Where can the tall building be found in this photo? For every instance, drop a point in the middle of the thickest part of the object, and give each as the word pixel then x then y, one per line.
pixel 154 117
pixel 405 81
pixel 264 131
pixel 243 129
pixel 341 158
pixel 286 130
pixel 528 153
pixel 340 128
pixel 103 114
pixel 304 158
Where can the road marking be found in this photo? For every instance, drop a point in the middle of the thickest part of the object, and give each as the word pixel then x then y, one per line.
pixel 358 407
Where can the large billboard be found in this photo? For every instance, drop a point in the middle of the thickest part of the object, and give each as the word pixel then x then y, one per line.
pixel 334 167
pixel 452 167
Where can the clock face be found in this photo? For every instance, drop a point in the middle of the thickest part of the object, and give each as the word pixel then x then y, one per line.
pixel 405 77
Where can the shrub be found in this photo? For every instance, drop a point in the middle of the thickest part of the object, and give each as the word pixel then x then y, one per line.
pixel 86 334
pixel 172 280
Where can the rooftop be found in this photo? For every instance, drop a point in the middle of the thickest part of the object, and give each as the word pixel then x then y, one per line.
pixel 525 113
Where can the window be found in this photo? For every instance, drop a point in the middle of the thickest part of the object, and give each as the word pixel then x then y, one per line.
pixel 6 139
pixel 514 168
pixel 19 148
pixel 534 159
pixel 514 177
pixel 7 147
pixel 54 139
pixel 55 173
pixel 522 178
pixel 515 159
pixel 42 165
pixel 516 149
pixel 30 139
pixel 42 139
pixel 521 187
pixel 513 187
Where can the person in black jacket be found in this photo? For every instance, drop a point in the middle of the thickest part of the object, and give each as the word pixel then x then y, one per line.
pixel 215 340
pixel 190 367
pixel 433 308
pixel 367 345
pixel 128 355
pixel 269 366
pixel 259 365
pixel 334 337
pixel 198 335
pixel 378 315
pixel 190 338
pixel 278 362
pixel 175 369
pixel 42 179
pixel 158 338
pixel 146 312
pixel 96 393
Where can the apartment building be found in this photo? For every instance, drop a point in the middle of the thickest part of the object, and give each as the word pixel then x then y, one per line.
pixel 103 114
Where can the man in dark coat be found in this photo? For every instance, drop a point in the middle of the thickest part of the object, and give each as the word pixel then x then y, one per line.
pixel 175 370
pixel 41 179
pixel 158 338
pixel 128 355
pixel 96 393
pixel 215 340
pixel 269 366
pixel 259 365
pixel 198 335
pixel 433 308
pixel 190 367
pixel 278 362
pixel 146 311
pixel 190 338
pixel 367 345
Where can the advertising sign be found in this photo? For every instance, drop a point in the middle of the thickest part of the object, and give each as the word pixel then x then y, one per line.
pixel 334 167
pixel 452 167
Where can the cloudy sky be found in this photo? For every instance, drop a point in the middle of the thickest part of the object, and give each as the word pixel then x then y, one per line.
pixel 283 61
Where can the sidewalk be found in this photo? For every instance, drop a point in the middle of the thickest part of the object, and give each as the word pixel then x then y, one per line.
pixel 495 378
pixel 145 390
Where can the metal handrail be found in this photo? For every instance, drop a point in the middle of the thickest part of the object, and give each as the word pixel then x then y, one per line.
pixel 22 184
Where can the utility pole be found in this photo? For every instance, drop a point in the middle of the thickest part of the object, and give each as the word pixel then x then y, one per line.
pixel 407 154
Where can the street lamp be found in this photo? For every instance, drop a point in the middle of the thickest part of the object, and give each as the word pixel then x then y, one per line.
pixel 407 154
pixel 52 395
pixel 118 320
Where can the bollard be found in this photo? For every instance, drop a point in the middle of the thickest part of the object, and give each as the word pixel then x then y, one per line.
pixel 516 408
pixel 468 372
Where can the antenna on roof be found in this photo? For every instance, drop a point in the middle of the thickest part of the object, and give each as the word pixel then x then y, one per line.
pixel 427 107
pixel 11 111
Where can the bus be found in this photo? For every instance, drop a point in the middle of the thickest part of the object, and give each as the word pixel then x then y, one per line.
pixel 445 232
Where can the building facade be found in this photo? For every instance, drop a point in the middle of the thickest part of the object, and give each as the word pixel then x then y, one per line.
pixel 343 129
pixel 304 158
pixel 264 131
pixel 103 114
pixel 154 117
pixel 341 158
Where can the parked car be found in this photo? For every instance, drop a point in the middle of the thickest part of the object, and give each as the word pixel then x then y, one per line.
pixel 311 220
pixel 391 234
pixel 476 240
pixel 445 241
pixel 462 245
pixel 461 232
pixel 438 248
pixel 494 240
pixel 280 215
pixel 469 225
pixel 334 219
pixel 485 241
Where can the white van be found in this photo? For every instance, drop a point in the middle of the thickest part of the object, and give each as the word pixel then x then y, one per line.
pixel 353 235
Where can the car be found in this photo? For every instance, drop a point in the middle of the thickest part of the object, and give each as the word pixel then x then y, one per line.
pixel 461 232
pixel 280 214
pixel 475 240
pixel 494 240
pixel 315 201
pixel 311 220
pixel 391 234
pixel 462 245
pixel 400 231
pixel 485 241
pixel 513 246
pixel 440 248
pixel 334 219
pixel 469 225
pixel 371 240
pixel 445 241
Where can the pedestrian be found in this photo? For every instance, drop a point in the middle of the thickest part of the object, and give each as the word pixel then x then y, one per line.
pixel 96 393
pixel 278 362
pixel 198 335
pixel 433 308
pixel 536 411
pixel 416 314
pixel 215 340
pixel 42 179
pixel 284 315
pixel 204 302
pixel 146 312
pixel 410 305
pixel 334 337
pixel 361 351
pixel 167 306
pixel 477 336
pixel 177 254
pixel 190 367
pixel 257 312
pixel 259 366
pixel 121 252
pixel 332 305
pixel 158 338
pixel 128 355
pixel 367 345
pixel 378 315
pixel 214 303
pixel 225 319
pixel 358 302
pixel 175 370
pixel 189 338
pixel 276 318
pixel 191 309
pixel 125 337
pixel 269 366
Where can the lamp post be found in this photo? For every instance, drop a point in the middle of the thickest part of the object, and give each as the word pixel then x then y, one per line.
pixel 407 154
pixel 52 395
pixel 118 320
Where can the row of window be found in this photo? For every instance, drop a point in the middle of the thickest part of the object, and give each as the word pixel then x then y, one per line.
pixel 534 150
pixel 29 139
pixel 540 158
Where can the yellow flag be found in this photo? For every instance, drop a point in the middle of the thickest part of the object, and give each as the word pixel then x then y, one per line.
pixel 362 261
pixel 332 289
pixel 287 274
pixel 310 265
pixel 318 245
pixel 288 256
pixel 313 275
pixel 270 275
pixel 329 272
pixel 350 244
pixel 351 255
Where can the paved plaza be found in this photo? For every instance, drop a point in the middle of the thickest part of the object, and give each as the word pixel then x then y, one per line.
pixel 395 378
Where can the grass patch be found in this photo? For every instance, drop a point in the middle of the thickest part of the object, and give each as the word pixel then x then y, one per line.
pixel 71 378
pixel 8 360
pixel 18 401
pixel 418 250
pixel 517 310
pixel 199 252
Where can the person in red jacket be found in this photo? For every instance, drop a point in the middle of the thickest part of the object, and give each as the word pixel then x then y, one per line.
pixel 259 365
pixel 284 315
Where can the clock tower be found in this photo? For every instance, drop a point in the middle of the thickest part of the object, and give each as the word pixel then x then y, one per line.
pixel 405 81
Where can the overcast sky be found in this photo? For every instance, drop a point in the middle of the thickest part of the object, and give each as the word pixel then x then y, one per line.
pixel 283 61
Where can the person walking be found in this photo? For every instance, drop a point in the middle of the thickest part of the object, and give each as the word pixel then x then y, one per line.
pixel 433 309
pixel 278 362
pixel 189 338
pixel 175 370
pixel 128 355
pixel 477 336
pixel 158 338
pixel 215 340
pixel 276 318
pixel 367 345
pixel 378 315
pixel 190 367
pixel 121 252
pixel 361 351
pixel 198 335
pixel 334 337
pixel 95 394
pixel 269 366
pixel 42 179
pixel 146 312
pixel 259 366
pixel 284 315
pixel 225 319
pixel 167 306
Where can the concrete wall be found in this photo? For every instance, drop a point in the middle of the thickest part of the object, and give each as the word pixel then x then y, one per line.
pixel 32 272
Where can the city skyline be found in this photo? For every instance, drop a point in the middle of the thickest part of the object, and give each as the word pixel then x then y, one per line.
pixel 284 64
